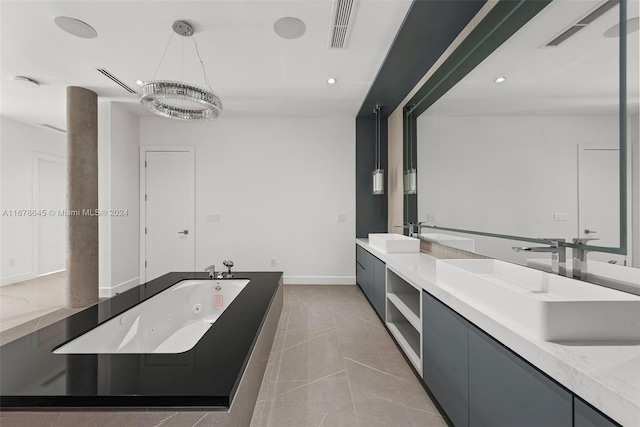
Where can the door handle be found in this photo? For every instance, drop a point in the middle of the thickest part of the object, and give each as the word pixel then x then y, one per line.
pixel 185 232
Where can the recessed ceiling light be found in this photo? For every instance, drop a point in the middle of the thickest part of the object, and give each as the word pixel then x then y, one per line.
pixel 331 81
pixel 632 26
pixel 289 27
pixel 26 81
pixel 139 82
pixel 500 80
pixel 75 27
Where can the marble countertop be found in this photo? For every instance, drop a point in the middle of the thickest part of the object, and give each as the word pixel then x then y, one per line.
pixel 605 375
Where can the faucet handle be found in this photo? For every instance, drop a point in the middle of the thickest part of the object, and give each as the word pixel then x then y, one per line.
pixel 583 240
pixel 228 263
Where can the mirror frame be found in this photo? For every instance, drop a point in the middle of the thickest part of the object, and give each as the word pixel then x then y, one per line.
pixel 503 21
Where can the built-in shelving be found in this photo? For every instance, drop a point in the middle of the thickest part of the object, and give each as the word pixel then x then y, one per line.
pixel 403 316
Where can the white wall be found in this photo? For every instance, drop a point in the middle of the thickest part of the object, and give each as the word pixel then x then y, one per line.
pixel 278 186
pixel 119 236
pixel 19 142
pixel 505 174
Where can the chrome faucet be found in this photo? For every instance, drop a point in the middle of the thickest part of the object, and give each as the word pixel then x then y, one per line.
pixel 558 254
pixel 410 227
pixel 228 263
pixel 580 256
pixel 212 271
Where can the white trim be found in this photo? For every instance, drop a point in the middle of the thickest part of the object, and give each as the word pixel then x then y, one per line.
pixel 319 280
pixel 143 185
pixel 124 286
pixel 52 272
pixel 10 280
pixel 36 156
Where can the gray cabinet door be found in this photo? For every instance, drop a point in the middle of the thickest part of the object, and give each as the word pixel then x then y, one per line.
pixel 445 358
pixel 364 271
pixel 505 391
pixel 379 287
pixel 585 416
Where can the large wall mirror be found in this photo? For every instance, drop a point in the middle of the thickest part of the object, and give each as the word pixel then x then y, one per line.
pixel 537 139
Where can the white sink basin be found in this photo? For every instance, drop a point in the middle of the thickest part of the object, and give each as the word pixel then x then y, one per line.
pixel 546 306
pixel 394 243
pixel 620 277
pixel 449 240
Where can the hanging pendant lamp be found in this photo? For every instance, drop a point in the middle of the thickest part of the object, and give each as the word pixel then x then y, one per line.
pixel 180 100
pixel 378 173
pixel 410 174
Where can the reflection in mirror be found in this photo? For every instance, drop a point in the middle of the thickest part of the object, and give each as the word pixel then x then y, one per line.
pixel 527 144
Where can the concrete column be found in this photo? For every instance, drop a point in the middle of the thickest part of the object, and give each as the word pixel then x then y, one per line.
pixel 82 197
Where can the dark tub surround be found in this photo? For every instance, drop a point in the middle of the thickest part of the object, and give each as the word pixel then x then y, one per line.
pixel 223 370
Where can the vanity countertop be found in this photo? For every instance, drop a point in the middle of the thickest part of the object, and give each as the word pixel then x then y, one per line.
pixel 605 375
pixel 205 377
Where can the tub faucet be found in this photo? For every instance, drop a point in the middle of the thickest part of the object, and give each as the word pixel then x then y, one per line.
pixel 212 271
pixel 558 254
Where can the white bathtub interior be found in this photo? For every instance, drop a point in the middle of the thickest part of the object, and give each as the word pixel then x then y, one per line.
pixel 172 321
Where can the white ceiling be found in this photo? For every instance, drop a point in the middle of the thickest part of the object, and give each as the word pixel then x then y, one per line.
pixel 580 76
pixel 253 71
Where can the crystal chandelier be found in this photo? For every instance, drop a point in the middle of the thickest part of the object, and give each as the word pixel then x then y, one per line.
pixel 179 100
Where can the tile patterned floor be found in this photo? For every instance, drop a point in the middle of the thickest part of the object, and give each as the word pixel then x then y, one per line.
pixel 334 364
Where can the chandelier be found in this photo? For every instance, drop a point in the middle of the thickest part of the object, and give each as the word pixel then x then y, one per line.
pixel 179 100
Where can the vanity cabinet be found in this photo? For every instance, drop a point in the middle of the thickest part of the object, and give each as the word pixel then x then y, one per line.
pixel 445 358
pixel 585 416
pixel 371 276
pixel 505 391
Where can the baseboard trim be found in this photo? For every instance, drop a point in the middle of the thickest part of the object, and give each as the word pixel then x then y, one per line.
pixel 124 286
pixel 319 280
pixel 52 272
pixel 10 280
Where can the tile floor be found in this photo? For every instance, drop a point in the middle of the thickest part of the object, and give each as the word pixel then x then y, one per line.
pixel 332 364
pixel 31 305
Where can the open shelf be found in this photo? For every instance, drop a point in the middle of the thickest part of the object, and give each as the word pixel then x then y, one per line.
pixel 406 334
pixel 408 295
pixel 398 302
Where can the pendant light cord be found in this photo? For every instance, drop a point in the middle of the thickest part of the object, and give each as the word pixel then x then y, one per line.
pixel 163 54
pixel 204 70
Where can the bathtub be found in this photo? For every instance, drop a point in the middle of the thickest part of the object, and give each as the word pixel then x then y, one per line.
pixel 172 321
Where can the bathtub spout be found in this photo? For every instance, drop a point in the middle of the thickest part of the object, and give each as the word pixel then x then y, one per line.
pixel 212 271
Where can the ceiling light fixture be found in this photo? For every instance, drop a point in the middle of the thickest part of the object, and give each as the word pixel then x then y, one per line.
pixel 410 174
pixel 75 27
pixel 500 80
pixel 176 99
pixel 139 82
pixel 331 81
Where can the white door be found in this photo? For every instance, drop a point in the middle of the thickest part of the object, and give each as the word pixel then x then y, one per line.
pixel 169 212
pixel 599 198
pixel 50 229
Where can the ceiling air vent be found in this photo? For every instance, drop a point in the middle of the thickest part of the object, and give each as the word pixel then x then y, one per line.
pixel 583 22
pixel 114 79
pixel 341 23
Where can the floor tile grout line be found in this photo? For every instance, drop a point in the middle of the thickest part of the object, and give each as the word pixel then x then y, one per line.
pixel 353 402
pixel 203 417
pixel 309 383
pixel 324 418
pixel 166 419
pixel 308 308
pixel 327 332
pixel 378 370
pixel 406 406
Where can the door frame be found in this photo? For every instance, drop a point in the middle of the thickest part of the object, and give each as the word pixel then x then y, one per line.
pixel 143 185
pixel 35 195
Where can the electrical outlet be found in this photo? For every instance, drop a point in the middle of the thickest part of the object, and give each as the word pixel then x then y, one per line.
pixel 12 262
pixel 431 217
pixel 273 262
pixel 342 218
pixel 213 218
pixel 560 216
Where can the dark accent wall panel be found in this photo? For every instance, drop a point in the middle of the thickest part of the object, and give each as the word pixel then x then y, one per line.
pixel 429 28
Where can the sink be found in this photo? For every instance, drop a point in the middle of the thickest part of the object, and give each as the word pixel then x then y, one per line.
pixel 449 240
pixel 394 243
pixel 620 277
pixel 543 305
